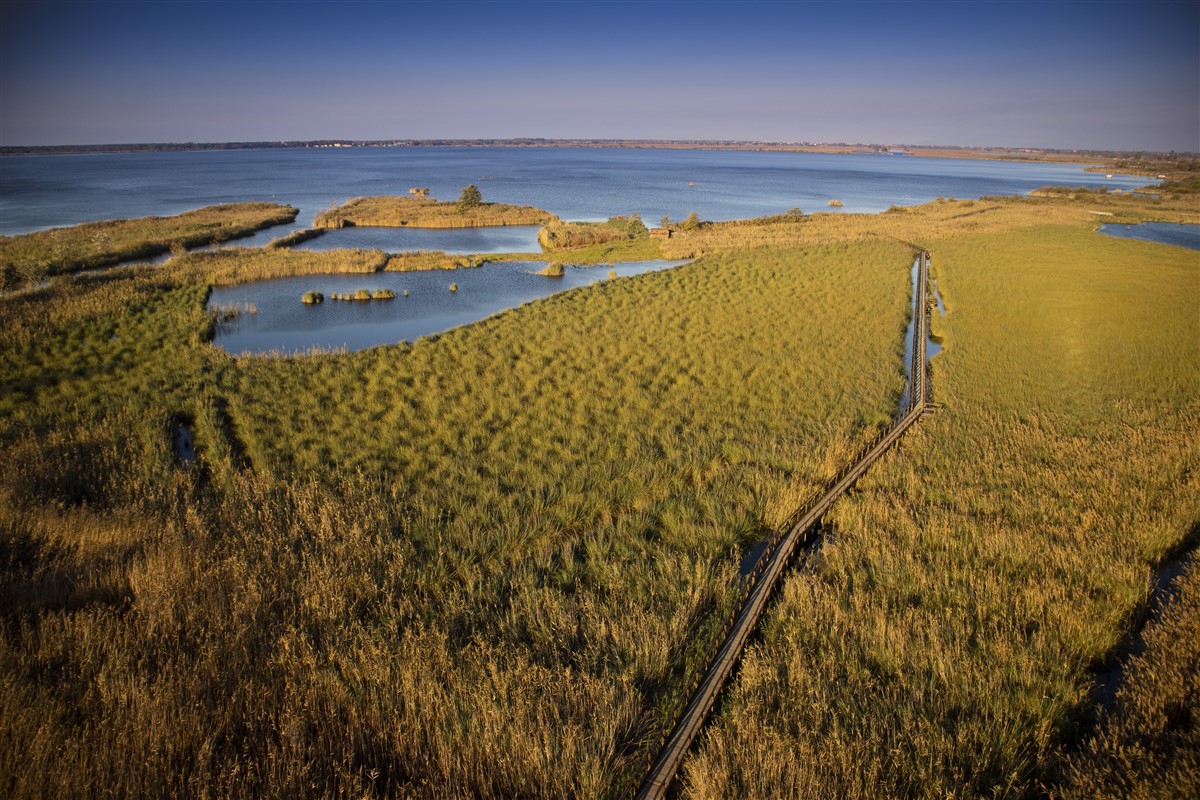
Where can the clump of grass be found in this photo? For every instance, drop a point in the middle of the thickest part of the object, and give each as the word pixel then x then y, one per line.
pixel 576 235
pixel 383 294
pixel 431 259
pixel 552 270
pixel 454 287
pixel 362 294
pixel 296 237
pixel 612 273
pixel 312 298
pixel 232 265
pixel 836 204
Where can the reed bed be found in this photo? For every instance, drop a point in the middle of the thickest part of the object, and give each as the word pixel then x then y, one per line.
pixel 481 564
pixel 487 563
pixel 947 640
pixel 30 257
pixel 418 212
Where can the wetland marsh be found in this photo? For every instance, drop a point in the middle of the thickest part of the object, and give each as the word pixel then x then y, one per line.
pixel 487 562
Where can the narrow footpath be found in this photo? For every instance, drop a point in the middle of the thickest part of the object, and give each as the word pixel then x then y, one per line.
pixel 800 531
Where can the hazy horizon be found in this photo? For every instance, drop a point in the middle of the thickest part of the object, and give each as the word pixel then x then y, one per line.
pixel 1094 76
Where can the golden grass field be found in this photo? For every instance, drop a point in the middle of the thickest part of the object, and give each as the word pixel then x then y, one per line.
pixel 486 563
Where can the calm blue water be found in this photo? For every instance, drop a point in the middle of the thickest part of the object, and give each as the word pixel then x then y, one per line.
pixel 39 192
pixel 283 324
pixel 504 239
pixel 1161 232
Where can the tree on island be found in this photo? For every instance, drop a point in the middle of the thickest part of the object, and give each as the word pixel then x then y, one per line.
pixel 636 226
pixel 470 198
pixel 665 222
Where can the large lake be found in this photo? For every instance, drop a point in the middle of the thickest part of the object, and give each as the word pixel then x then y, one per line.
pixel 39 192
pixel 282 324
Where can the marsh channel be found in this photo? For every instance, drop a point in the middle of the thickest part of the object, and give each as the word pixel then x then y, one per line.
pixel 280 324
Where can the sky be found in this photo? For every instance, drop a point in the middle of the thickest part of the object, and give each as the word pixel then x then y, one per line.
pixel 1065 75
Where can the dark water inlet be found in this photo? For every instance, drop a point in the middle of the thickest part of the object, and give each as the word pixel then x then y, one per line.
pixel 1163 591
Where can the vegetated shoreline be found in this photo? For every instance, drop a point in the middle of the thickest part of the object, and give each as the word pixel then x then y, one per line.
pixel 397 211
pixel 29 257
pixel 566 489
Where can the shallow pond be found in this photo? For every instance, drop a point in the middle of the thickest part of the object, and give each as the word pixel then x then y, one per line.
pixel 282 324
pixel 1161 232
pixel 501 239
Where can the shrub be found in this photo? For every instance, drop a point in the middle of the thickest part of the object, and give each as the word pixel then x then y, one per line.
pixel 383 294
pixel 470 198
pixel 312 298
pixel 362 294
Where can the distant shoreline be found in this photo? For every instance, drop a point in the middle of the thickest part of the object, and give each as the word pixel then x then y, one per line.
pixel 919 151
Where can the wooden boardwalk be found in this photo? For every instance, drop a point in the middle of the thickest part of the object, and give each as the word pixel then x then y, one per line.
pixel 797 533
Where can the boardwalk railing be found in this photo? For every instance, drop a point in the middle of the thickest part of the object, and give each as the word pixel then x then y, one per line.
pixel 799 531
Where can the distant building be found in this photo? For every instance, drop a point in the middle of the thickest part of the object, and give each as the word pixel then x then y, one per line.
pixel 660 233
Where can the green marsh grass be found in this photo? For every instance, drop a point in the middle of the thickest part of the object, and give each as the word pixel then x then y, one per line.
pixel 486 563
pixel 480 564
pixel 946 643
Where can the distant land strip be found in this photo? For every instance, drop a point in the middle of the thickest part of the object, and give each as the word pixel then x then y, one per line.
pixel 928 151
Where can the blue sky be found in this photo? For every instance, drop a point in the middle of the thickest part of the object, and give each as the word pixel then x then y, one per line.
pixel 1086 75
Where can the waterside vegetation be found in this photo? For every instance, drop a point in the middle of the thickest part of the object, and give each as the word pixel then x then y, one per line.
pixel 30 257
pixel 488 562
pixel 419 212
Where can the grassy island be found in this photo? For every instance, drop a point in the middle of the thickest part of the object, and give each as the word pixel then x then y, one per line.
pixel 418 212
pixel 487 563
pixel 98 244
